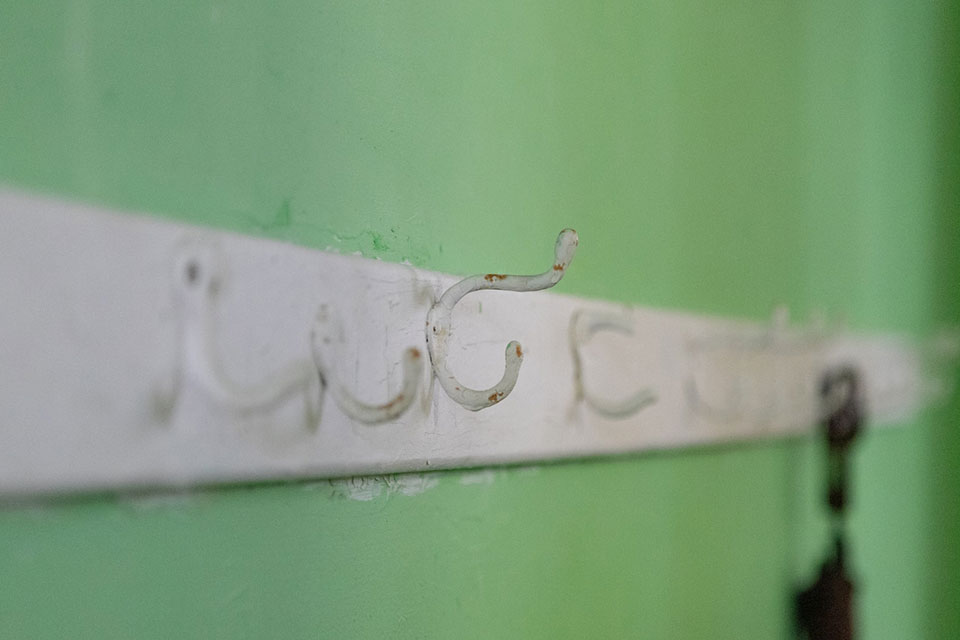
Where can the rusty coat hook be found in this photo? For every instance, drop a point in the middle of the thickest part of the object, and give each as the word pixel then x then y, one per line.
pixel 438 325
pixel 197 282
pixel 826 609
pixel 322 337
pixel 583 325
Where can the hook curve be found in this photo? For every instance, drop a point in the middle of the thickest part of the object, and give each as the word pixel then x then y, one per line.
pixel 321 336
pixel 198 278
pixel 739 345
pixel 583 325
pixel 439 321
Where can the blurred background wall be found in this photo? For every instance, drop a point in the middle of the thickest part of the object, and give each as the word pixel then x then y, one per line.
pixel 722 158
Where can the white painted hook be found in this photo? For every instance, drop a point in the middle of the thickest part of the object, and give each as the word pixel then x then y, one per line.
pixel 197 281
pixel 738 345
pixel 779 342
pixel 438 325
pixel 583 326
pixel 326 335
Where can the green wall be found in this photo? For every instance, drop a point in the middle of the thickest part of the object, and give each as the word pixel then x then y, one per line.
pixel 723 158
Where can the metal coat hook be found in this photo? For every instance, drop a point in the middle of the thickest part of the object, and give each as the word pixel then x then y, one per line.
pixel 825 610
pixel 583 325
pixel 438 325
pixel 324 335
pixel 197 283
pixel 775 339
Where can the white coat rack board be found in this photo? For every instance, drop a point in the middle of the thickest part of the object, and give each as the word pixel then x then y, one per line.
pixel 141 353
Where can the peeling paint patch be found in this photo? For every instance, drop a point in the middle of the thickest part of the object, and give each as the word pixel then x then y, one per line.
pixel 412 484
pixel 362 488
pixel 367 488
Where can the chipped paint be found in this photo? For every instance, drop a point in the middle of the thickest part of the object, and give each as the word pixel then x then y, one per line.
pixel 412 484
pixel 361 488
pixel 367 488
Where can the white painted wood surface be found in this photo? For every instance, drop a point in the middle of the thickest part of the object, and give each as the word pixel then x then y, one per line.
pixel 92 346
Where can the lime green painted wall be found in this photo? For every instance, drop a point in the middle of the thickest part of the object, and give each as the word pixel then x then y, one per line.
pixel 721 158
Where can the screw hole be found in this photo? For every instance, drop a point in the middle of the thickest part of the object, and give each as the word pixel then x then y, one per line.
pixel 192 272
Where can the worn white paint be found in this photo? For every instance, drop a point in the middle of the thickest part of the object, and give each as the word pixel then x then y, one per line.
pixel 110 379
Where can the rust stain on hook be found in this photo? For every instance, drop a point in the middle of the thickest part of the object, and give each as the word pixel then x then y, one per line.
pixel 493 277
pixel 559 267
pixel 390 405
